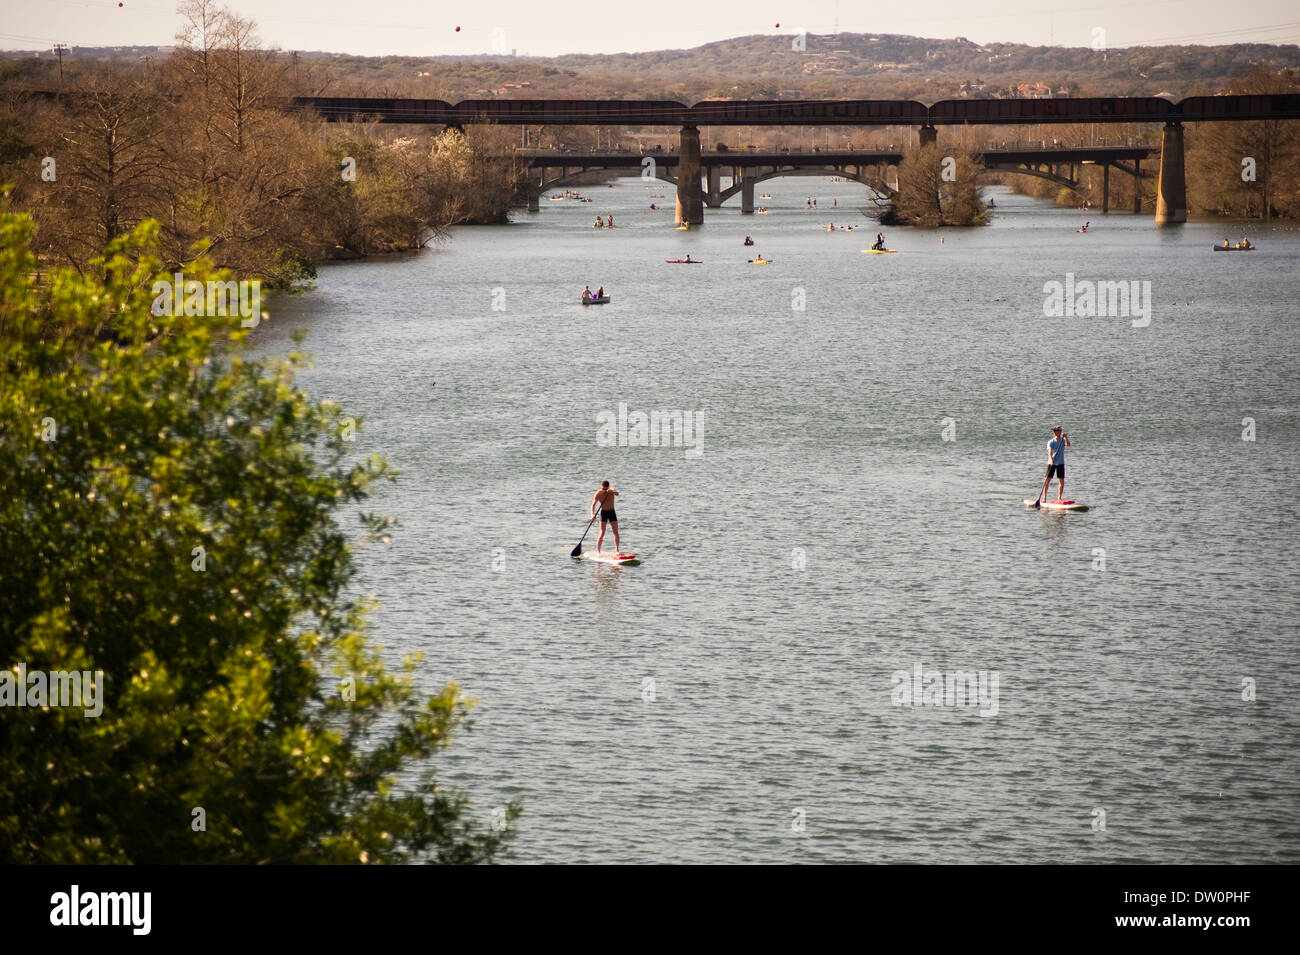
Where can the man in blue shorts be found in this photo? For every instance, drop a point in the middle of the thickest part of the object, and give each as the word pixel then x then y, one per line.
pixel 1055 464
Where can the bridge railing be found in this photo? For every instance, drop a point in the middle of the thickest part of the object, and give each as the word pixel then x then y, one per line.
pixel 1130 142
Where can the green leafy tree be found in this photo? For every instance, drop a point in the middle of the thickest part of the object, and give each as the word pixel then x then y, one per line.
pixel 236 678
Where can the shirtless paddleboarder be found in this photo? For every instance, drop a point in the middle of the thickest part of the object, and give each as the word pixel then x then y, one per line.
pixel 604 501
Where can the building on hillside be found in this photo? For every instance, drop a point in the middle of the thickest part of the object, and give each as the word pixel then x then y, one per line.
pixel 1034 91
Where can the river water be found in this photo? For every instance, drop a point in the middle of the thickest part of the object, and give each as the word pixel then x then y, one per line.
pixel 849 509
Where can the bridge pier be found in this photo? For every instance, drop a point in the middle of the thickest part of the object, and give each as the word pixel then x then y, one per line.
pixel 715 187
pixel 929 136
pixel 1105 189
pixel 1137 186
pixel 534 203
pixel 690 199
pixel 746 195
pixel 1171 193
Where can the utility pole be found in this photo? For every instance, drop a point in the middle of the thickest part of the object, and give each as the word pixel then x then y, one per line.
pixel 59 50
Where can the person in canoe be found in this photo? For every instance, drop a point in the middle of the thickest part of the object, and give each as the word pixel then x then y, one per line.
pixel 1056 463
pixel 1226 245
pixel 586 293
pixel 1245 243
pixel 604 501
pixel 748 241
pixel 600 292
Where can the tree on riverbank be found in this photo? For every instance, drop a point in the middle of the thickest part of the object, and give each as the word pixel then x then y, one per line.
pixel 168 517
pixel 200 142
pixel 1246 169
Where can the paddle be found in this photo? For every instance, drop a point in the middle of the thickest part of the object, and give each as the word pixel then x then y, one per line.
pixel 1038 502
pixel 577 551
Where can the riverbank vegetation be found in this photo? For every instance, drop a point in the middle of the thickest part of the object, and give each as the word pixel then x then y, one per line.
pixel 198 140
pixel 169 534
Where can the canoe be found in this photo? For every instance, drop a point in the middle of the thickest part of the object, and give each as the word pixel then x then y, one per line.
pixel 1219 248
pixel 603 300
pixel 683 261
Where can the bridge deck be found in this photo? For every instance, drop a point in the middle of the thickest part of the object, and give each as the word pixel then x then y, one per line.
pixel 835 157
pixel 531 112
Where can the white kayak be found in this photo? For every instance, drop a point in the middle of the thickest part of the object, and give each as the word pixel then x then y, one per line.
pixel 608 557
pixel 1059 505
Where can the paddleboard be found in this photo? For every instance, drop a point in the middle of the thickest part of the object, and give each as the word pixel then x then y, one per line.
pixel 879 251
pixel 606 557
pixel 1059 505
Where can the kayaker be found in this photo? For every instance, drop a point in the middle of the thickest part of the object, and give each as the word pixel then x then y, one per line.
pixel 604 500
pixel 688 256
pixel 610 223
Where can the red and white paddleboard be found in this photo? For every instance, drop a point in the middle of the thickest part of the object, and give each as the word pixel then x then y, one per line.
pixel 607 557
pixel 1059 505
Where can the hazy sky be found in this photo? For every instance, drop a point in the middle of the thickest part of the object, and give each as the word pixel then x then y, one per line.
pixel 374 27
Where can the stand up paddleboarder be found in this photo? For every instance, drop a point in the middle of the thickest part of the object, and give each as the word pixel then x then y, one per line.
pixel 604 500
pixel 1056 463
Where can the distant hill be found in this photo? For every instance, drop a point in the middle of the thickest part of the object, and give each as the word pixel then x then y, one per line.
pixel 855 65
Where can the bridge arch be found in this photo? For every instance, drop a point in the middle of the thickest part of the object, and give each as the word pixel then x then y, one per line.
pixel 1021 169
pixel 873 180
pixel 570 176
